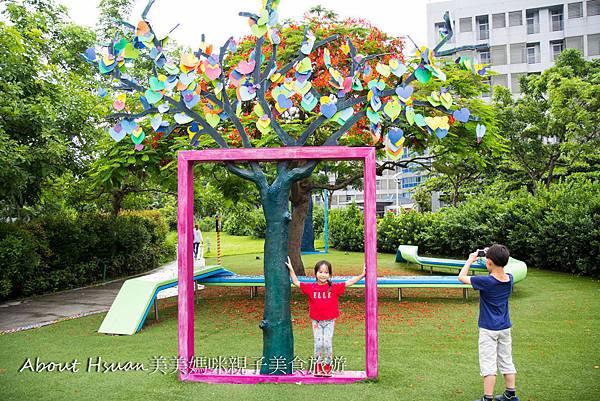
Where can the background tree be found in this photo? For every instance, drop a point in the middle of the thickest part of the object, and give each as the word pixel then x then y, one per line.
pixel 49 117
pixel 206 98
pixel 556 122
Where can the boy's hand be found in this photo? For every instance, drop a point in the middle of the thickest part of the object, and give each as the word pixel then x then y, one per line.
pixel 289 264
pixel 364 273
pixel 472 257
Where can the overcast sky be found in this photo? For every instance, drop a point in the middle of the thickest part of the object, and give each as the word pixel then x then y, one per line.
pixel 219 19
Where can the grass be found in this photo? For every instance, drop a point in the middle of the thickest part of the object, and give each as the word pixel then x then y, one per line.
pixel 427 344
pixel 230 244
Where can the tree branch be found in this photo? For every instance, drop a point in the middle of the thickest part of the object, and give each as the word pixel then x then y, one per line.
pixel 447 37
pixel 303 171
pixel 180 106
pixel 337 186
pixel 332 140
pixel 133 116
pixel 227 104
pixel 241 172
pixel 310 130
pixel 285 138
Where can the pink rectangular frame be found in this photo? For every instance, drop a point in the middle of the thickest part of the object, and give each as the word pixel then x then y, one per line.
pixel 186 160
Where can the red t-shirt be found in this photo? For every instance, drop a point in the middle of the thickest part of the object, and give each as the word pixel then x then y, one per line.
pixel 323 300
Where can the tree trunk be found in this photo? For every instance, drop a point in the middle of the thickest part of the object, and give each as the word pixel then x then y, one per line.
pixel 117 202
pixel 329 199
pixel 300 201
pixel 278 338
pixel 551 166
pixel 455 196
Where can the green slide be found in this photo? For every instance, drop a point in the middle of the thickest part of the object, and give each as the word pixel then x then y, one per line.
pixel 135 298
pixel 409 253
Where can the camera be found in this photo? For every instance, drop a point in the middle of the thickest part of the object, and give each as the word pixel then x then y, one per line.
pixel 482 253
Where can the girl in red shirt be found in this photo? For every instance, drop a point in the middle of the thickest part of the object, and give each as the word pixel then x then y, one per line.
pixel 323 306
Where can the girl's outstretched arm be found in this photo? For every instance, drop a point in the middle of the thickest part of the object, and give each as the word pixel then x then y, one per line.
pixel 292 272
pixel 355 279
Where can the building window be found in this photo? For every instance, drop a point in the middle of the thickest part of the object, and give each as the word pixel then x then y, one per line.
pixel 466 24
pixel 498 55
pixel 411 182
pixel 556 48
pixel 533 53
pixel 533 21
pixel 499 20
pixel 515 18
pixel 515 82
pixel 576 10
pixel 593 7
pixel 484 56
pixel 501 80
pixel 594 44
pixel 556 19
pixel 517 53
pixel 483 27
pixel 349 198
pixel 574 42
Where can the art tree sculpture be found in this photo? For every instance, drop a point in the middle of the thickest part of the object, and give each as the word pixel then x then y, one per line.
pixel 206 93
pixel 367 39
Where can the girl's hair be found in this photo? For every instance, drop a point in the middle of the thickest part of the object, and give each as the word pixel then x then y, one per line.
pixel 329 268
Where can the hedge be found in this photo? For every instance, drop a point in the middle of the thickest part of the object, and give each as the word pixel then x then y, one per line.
pixel 250 222
pixel 59 252
pixel 556 229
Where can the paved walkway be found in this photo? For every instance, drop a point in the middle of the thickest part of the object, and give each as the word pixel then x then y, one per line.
pixel 42 310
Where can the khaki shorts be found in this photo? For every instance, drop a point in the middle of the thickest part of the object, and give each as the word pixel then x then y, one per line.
pixel 495 352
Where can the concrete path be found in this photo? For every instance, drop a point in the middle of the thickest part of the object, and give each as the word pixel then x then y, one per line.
pixel 42 310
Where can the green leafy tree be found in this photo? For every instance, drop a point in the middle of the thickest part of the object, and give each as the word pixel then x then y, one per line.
pixel 49 117
pixel 555 125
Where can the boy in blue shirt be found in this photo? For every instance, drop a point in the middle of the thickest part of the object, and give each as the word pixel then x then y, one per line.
pixel 495 340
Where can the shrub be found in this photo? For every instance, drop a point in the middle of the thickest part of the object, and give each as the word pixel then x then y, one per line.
pixel 569 238
pixel 59 252
pixel 169 213
pixel 237 222
pixel 555 229
pixel 258 223
pixel 409 228
pixel 20 258
pixel 460 230
pixel 346 228
pixel 206 224
pixel 246 222
pixel 318 220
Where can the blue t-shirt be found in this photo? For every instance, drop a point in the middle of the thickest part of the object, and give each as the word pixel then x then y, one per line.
pixel 493 301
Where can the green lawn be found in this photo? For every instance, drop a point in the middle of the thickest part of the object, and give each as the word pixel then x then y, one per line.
pixel 427 344
pixel 232 245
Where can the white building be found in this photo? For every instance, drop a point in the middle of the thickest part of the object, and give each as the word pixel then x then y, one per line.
pixel 523 36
